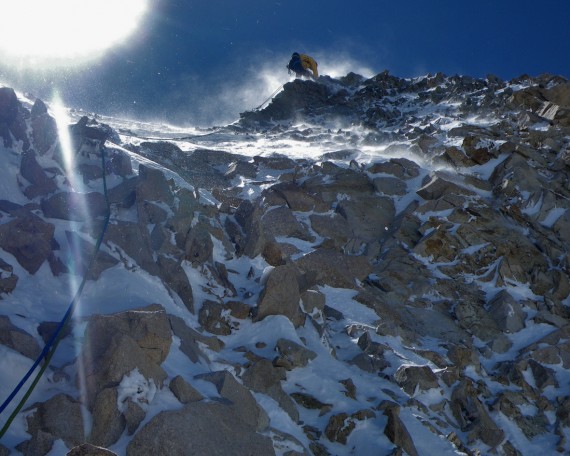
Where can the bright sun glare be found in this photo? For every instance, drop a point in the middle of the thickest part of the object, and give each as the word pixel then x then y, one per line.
pixel 65 31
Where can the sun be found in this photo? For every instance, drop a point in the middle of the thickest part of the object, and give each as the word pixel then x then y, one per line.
pixel 66 31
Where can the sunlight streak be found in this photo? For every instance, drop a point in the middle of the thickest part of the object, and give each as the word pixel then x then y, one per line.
pixel 62 121
pixel 68 157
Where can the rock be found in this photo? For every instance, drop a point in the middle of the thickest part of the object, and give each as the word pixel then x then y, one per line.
pixel 44 128
pixel 369 363
pixel 189 339
pixel 415 378
pixel 9 105
pixel 40 183
pixel 241 168
pixel 195 429
pixel 310 402
pixel 390 185
pixel 153 186
pixel 543 376
pixel 511 403
pixel 11 122
pixel 30 239
pixel 239 309
pixel 350 388
pixel 86 449
pixel 312 301
pixel 199 245
pixel 118 344
pixel 174 276
pixel 79 207
pixel 472 316
pixel 396 430
pixel 438 187
pixel 334 268
pixel 297 96
pixel 228 387
pixel 134 240
pixel 57 418
pixel 476 150
pixel 82 251
pixel 298 199
pixel 292 355
pixel 18 339
pixel 368 216
pixel 263 377
pixel 121 164
pixel 402 168
pixel 507 312
pixel 212 320
pixel 183 391
pixel 134 415
pixel 472 415
pixel 339 428
pixel 123 194
pixel 151 213
pixel 8 280
pixel 333 226
pixel 108 422
pixel 88 136
pixel 267 223
pixel 341 425
pixel 281 295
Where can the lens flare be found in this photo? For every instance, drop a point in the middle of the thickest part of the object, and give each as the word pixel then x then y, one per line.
pixel 62 32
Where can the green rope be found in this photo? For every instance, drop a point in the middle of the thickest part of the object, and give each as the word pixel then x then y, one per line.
pixel 59 332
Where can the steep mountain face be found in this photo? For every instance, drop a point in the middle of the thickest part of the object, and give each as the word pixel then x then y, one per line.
pixel 365 266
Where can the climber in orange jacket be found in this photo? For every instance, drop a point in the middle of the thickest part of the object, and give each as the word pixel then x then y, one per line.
pixel 301 63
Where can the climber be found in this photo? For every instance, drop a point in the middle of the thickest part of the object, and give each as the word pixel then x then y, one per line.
pixel 301 63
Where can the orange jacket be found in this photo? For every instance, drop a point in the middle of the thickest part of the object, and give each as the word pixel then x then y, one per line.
pixel 309 63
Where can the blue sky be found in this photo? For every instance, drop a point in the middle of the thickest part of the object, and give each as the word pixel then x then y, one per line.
pixel 203 62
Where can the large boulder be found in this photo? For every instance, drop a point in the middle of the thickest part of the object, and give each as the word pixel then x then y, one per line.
pixel 30 239
pixel 396 430
pixel 281 295
pixel 196 429
pixel 116 345
pixel 60 417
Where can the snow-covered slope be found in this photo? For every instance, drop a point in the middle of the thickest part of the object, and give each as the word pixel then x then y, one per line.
pixel 382 264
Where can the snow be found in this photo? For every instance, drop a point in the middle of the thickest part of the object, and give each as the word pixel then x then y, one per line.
pixel 43 297
pixel 137 388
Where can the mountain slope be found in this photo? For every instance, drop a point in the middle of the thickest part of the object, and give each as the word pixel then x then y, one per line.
pixel 364 266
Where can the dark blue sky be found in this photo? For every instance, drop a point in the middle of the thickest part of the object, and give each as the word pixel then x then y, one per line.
pixel 203 62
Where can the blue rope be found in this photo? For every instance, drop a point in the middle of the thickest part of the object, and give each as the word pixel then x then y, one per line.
pixel 52 344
